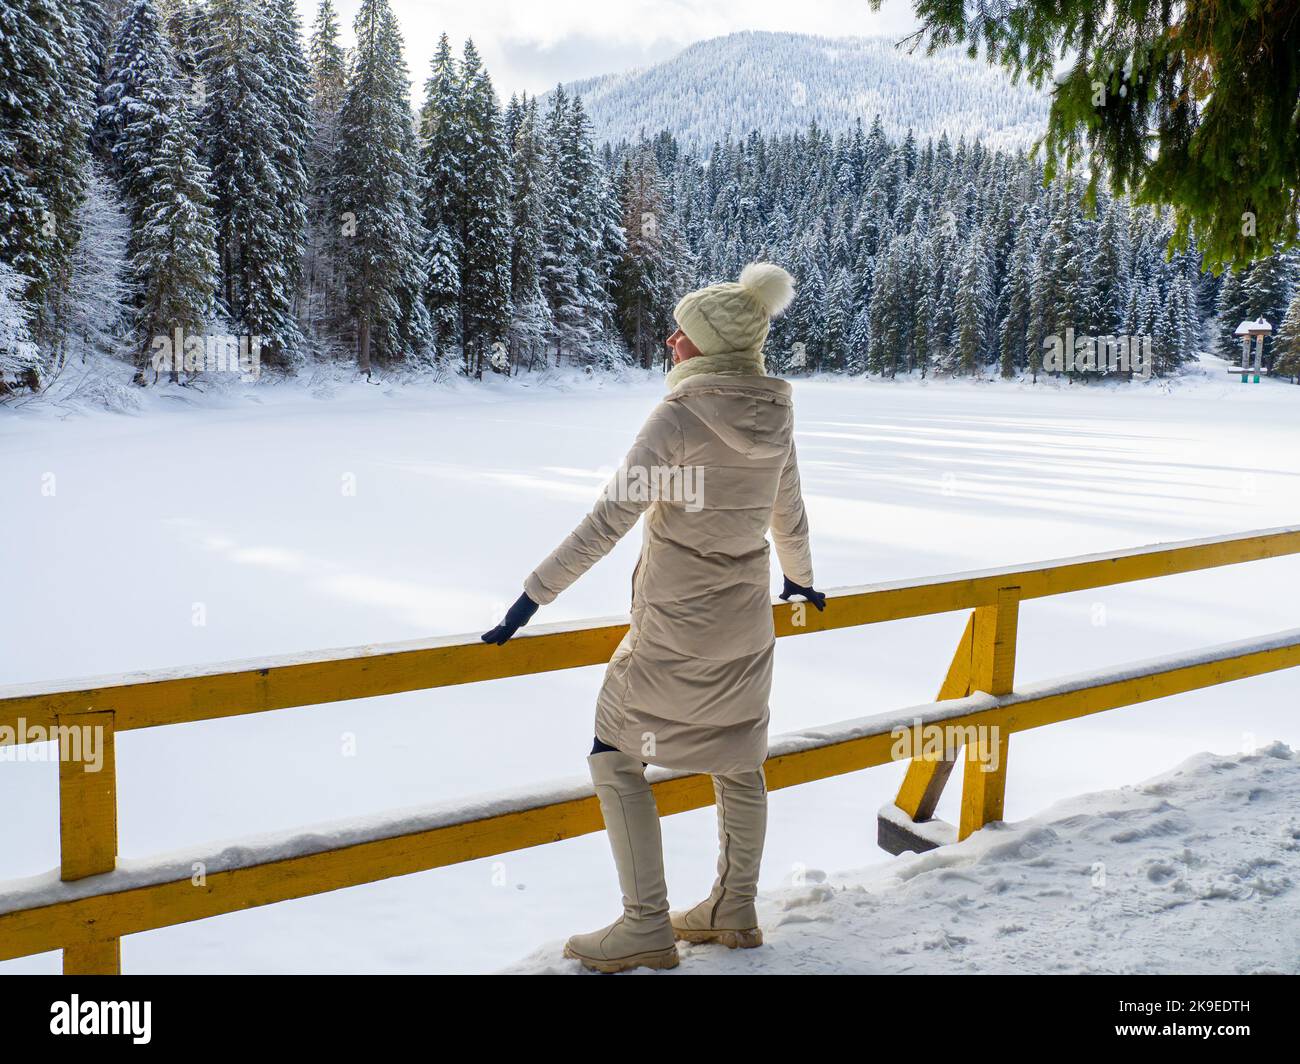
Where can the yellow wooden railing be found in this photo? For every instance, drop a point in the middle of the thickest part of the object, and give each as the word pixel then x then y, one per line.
pixel 90 903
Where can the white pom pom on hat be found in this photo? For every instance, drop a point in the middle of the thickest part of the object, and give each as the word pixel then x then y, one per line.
pixel 772 286
pixel 735 316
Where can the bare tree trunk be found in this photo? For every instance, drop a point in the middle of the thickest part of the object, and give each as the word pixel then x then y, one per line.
pixel 363 346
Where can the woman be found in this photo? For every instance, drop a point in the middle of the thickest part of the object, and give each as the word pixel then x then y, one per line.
pixel 687 688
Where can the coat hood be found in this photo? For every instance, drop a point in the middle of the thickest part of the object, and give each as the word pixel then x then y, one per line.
pixel 752 415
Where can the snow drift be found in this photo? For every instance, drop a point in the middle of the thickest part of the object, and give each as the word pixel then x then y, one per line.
pixel 1191 872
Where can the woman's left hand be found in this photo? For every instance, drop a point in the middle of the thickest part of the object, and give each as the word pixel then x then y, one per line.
pixel 791 588
pixel 516 617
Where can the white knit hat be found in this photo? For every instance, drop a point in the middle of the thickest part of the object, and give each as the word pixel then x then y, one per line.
pixel 734 317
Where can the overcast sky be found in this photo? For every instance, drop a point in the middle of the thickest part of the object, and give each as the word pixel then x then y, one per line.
pixel 529 45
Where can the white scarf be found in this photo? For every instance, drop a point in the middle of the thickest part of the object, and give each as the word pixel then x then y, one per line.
pixel 724 364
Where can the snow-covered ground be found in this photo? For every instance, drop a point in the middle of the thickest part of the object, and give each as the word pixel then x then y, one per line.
pixel 294 517
pixel 1194 871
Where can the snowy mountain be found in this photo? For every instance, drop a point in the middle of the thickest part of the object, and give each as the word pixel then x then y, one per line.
pixel 781 82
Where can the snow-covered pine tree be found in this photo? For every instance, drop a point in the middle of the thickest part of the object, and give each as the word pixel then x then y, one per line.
pixel 443 144
pixel 1075 306
pixel 560 262
pixel 941 271
pixel 1112 267
pixel 889 320
pixel 1018 295
pixel 918 351
pixel 175 261
pixel 650 271
pixel 584 175
pixel 375 184
pixel 256 199
pixel 1147 321
pixel 860 341
pixel 147 127
pixel 973 299
pixel 327 59
pixel 1043 319
pixel 137 98
pixel 863 277
pixel 1233 308
pixel 999 238
pixel 1184 324
pixel 512 117
pixel 70 167
pixel 97 27
pixel 46 110
pixel 531 319
pixel 414 326
pixel 99 22
pixel 804 325
pixel 291 95
pixel 1163 348
pixel 20 360
pixel 613 245
pixel 183 25
pixel 328 65
pixel 839 320
pixel 1286 344
pixel 1268 289
pixel 485 219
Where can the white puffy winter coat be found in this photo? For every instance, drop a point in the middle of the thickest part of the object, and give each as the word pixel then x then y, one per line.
pixel 688 686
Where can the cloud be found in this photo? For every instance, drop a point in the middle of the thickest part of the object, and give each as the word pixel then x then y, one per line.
pixel 534 68
pixel 529 45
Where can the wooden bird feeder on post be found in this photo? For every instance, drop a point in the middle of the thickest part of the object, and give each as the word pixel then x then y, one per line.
pixel 1257 331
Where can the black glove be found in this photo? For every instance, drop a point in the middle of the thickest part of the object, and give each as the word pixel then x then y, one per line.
pixel 815 597
pixel 517 616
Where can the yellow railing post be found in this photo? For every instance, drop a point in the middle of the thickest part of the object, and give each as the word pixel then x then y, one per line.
pixel 993 669
pixel 926 777
pixel 985 660
pixel 88 824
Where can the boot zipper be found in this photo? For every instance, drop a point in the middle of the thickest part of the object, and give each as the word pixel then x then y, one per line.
pixel 722 879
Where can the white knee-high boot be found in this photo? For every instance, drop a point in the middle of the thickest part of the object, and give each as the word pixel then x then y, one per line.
pixel 728 915
pixel 642 936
